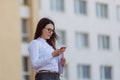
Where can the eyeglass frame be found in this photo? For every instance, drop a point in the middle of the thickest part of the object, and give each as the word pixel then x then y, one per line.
pixel 49 29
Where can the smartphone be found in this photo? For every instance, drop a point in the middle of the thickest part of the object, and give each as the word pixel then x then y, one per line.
pixel 63 48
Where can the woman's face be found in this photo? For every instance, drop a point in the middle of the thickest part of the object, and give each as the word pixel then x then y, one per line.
pixel 47 31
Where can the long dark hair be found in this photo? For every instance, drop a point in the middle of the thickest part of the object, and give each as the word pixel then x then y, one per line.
pixel 40 26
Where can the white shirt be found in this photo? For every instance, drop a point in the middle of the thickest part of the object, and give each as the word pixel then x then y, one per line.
pixel 40 53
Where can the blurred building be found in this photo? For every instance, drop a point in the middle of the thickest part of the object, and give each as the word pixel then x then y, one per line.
pixel 17 21
pixel 10 53
pixel 28 19
pixel 88 28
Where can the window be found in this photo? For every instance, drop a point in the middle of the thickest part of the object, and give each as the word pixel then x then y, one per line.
pixel 24 2
pixel 57 5
pixel 61 37
pixel 25 30
pixel 106 73
pixel 83 72
pixel 80 7
pixel 118 13
pixel 82 40
pixel 26 71
pixel 102 10
pixel 103 42
pixel 119 43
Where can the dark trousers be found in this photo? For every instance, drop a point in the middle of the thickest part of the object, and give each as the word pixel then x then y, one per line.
pixel 47 76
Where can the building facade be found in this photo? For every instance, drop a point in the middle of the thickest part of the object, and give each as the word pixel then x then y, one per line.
pixel 18 18
pixel 10 53
pixel 88 28
pixel 90 31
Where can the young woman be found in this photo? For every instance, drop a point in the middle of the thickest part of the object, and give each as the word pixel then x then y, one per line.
pixel 45 58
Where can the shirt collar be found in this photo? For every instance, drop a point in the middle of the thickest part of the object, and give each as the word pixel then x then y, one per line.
pixel 41 39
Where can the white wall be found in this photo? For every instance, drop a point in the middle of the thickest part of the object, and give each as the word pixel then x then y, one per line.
pixel 92 25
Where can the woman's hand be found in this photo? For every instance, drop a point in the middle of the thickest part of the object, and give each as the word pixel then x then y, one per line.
pixel 63 61
pixel 57 52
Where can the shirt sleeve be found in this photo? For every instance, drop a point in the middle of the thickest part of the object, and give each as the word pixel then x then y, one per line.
pixel 60 67
pixel 37 61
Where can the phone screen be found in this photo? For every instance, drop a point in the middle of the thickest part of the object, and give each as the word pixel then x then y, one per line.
pixel 63 48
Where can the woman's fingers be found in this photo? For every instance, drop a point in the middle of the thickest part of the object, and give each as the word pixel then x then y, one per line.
pixel 63 61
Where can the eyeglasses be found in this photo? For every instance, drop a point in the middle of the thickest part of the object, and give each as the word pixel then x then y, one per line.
pixel 49 29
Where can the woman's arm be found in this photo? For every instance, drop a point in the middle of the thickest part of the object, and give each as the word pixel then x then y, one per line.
pixel 36 59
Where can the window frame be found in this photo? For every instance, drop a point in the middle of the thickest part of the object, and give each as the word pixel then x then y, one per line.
pixel 118 12
pixel 80 7
pixel 81 74
pixel 84 41
pixel 25 30
pixel 57 5
pixel 102 10
pixel 104 73
pixel 61 41
pixel 104 42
